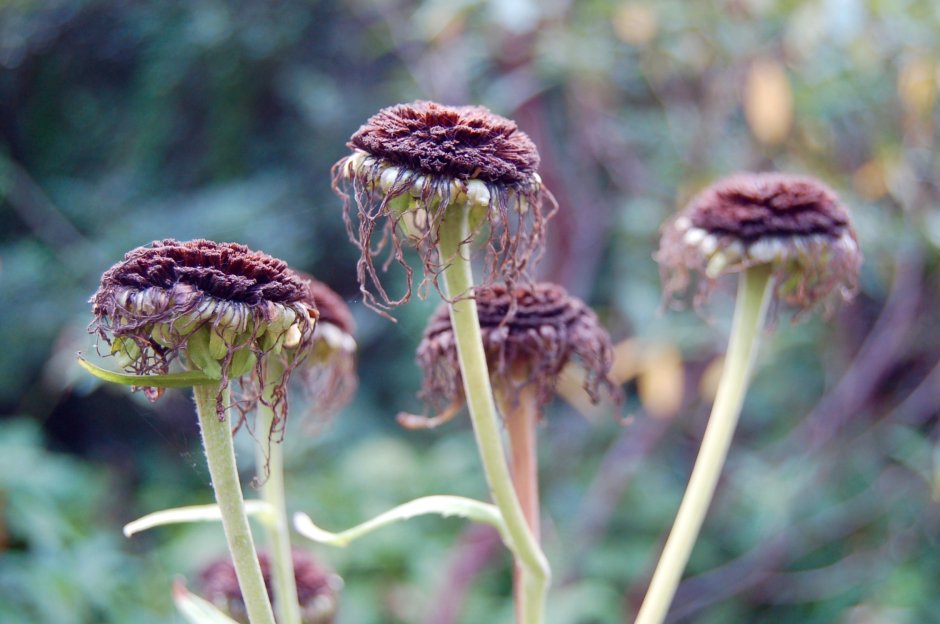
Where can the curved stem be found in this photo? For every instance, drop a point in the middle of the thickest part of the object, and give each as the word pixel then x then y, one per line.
pixel 458 278
pixel 521 414
pixel 220 455
pixel 270 468
pixel 749 314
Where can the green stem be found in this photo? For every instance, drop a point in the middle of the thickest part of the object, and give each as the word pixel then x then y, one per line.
pixel 749 314
pixel 220 455
pixel 271 473
pixel 458 278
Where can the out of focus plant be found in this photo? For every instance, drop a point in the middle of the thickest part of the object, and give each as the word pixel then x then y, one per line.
pixel 58 563
pixel 445 178
pixel 791 241
pixel 125 122
pixel 228 315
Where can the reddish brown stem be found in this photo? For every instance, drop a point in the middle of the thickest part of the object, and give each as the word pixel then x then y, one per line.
pixel 521 414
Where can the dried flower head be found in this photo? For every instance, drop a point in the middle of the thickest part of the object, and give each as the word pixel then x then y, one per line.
pixel 532 345
pixel 411 162
pixel 794 223
pixel 317 588
pixel 220 307
pixel 329 374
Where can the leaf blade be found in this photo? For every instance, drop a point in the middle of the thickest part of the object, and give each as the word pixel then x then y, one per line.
pixel 196 610
pixel 193 513
pixel 184 379
pixel 443 505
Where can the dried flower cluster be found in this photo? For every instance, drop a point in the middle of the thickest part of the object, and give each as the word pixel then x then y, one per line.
pixel 548 329
pixel 411 162
pixel 328 375
pixel 220 307
pixel 796 224
pixel 317 588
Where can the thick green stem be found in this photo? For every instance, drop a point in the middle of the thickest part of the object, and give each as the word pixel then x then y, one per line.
pixel 750 310
pixel 220 454
pixel 458 278
pixel 270 469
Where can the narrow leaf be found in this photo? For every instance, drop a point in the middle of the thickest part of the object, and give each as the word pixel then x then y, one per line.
pixel 193 513
pixel 441 505
pixel 196 610
pixel 185 379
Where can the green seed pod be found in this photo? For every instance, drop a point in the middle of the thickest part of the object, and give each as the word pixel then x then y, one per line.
pixel 200 355
pixel 243 361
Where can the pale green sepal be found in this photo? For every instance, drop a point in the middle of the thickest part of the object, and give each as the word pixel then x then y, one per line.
pixel 196 610
pixel 200 354
pixel 446 506
pixel 185 379
pixel 194 513
pixel 242 362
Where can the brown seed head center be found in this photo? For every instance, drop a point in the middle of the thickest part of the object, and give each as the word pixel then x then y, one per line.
pixel 761 205
pixel 226 271
pixel 456 141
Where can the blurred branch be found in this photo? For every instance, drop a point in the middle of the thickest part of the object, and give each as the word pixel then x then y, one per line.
pixel 922 402
pixel 477 547
pixel 42 216
pixel 855 570
pixel 878 354
pixel 758 567
pixel 619 465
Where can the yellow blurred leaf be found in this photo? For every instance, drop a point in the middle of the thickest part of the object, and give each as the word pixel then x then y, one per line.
pixel 661 383
pixel 628 356
pixel 570 387
pixel 917 85
pixel 636 23
pixel 768 101
pixel 708 384
pixel 869 180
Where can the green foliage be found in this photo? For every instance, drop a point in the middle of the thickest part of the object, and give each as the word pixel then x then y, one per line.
pixel 125 122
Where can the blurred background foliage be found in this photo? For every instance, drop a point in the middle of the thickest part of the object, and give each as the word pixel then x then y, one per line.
pixel 124 122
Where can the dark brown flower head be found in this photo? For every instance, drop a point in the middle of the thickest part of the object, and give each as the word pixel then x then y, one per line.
pixel 794 223
pixel 220 307
pixel 466 142
pixel 532 345
pixel 317 588
pixel 411 162
pixel 328 376
pixel 333 310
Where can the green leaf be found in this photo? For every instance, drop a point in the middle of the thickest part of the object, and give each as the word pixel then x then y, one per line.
pixel 185 379
pixel 446 506
pixel 196 610
pixel 194 513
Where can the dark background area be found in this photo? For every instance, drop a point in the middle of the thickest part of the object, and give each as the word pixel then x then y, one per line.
pixel 124 122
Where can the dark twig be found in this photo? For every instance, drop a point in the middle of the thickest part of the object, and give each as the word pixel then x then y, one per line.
pixel 758 566
pixel 478 545
pixel 878 354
